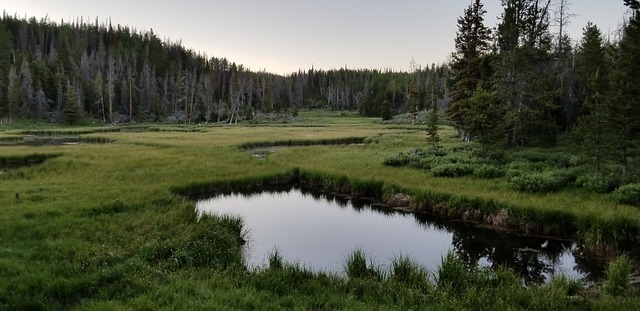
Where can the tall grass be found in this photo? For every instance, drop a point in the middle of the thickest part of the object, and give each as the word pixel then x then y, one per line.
pixel 618 276
pixel 358 267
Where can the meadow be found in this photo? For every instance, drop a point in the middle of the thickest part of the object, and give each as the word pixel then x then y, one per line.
pixel 108 223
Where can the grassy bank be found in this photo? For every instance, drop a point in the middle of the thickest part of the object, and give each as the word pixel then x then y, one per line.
pixel 108 226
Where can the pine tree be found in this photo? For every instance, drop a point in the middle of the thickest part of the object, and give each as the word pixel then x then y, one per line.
pixel 72 112
pixel 626 92
pixel 593 133
pixel 487 126
pixel 6 48
pixel 472 42
pixel 432 125
pixel 523 75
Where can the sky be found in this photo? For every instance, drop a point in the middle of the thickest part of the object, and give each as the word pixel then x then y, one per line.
pixel 282 36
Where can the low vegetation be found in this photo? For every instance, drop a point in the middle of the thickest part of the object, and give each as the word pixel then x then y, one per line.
pixel 111 226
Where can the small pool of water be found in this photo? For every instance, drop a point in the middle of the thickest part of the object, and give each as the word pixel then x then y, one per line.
pixel 321 230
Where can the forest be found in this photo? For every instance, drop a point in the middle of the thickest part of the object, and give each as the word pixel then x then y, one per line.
pixel 520 83
pixel 63 72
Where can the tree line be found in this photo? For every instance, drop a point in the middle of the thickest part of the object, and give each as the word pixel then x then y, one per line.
pixel 519 84
pixel 63 72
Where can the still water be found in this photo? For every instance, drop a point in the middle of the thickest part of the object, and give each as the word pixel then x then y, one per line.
pixel 321 230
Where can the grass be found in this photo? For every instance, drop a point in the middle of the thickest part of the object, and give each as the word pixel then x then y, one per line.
pixel 109 226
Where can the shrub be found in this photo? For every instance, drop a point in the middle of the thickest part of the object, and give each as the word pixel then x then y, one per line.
pixel 553 159
pixel 519 168
pixel 628 194
pixel 452 170
pixel 488 171
pixel 399 159
pixel 599 182
pixel 540 182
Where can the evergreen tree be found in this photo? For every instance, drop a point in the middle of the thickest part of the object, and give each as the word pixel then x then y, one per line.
pixel 626 92
pixel 487 126
pixel 72 112
pixel 6 47
pixel 523 74
pixel 472 42
pixel 593 133
pixel 432 127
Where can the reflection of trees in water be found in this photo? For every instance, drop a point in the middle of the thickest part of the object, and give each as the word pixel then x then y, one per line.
pixel 592 269
pixel 523 255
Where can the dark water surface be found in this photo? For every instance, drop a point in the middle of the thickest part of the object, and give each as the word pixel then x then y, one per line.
pixel 321 230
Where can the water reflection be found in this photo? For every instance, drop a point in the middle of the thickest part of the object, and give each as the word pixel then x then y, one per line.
pixel 321 229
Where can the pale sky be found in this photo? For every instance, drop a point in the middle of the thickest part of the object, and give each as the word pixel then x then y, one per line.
pixel 283 36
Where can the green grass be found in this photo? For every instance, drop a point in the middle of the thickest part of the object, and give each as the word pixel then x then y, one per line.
pixel 110 226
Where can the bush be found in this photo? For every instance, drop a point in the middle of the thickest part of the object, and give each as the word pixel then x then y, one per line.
pixel 520 168
pixel 599 182
pixel 628 194
pixel 452 170
pixel 488 171
pixel 399 159
pixel 558 160
pixel 540 182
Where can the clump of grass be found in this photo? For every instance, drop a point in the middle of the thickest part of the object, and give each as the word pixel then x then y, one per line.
pixel 565 286
pixel 452 272
pixel 618 276
pixel 276 262
pixel 405 270
pixel 356 267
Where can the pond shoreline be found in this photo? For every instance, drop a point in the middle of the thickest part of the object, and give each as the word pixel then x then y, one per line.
pixel 489 214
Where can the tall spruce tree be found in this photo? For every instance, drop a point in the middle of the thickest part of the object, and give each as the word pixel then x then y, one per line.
pixel 523 74
pixel 626 91
pixel 432 122
pixel 593 132
pixel 6 48
pixel 472 43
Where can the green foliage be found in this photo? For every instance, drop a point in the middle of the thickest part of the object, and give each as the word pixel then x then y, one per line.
pixel 485 120
pixel 356 267
pixel 276 262
pixel 540 182
pixel 404 270
pixel 399 159
pixel 618 276
pixel 600 182
pixel 471 43
pixel 488 171
pixel 452 170
pixel 452 273
pixel 61 249
pixel 628 194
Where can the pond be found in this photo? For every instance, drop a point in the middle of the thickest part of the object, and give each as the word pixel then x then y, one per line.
pixel 320 230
